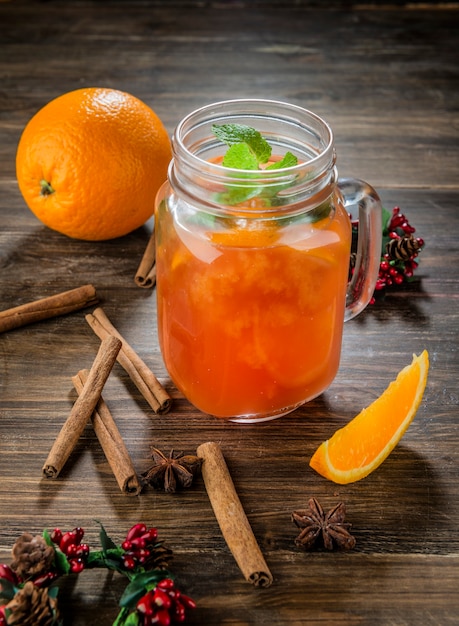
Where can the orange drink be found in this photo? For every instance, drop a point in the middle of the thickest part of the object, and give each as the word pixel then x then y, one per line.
pixel 252 265
pixel 251 319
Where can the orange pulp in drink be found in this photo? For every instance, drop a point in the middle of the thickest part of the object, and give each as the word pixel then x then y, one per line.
pixel 250 312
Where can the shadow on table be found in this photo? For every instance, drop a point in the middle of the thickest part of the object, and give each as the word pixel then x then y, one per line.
pixel 403 507
pixel 400 303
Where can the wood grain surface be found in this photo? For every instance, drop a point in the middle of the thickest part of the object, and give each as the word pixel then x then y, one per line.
pixel 385 76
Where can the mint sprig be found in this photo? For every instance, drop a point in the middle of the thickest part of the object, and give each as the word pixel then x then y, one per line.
pixel 235 134
pixel 248 150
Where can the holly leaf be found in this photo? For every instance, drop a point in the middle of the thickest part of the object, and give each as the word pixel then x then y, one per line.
pixel 133 619
pixel 126 618
pixel 139 585
pixel 386 216
pixel 47 537
pixel 7 589
pixel 61 562
pixel 110 559
pixel 53 591
pixel 106 542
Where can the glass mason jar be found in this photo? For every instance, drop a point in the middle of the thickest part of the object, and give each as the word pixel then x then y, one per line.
pixel 253 265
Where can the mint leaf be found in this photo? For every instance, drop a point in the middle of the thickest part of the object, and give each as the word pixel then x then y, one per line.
pixel 288 161
pixel 247 150
pixel 240 156
pixel 236 195
pixel 240 133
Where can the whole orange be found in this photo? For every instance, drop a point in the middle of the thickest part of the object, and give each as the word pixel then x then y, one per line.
pixel 89 163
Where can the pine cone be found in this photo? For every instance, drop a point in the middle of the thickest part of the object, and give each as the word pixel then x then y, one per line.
pixel 32 556
pixel 32 606
pixel 160 557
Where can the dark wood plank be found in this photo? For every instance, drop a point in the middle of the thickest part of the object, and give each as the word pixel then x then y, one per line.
pixel 386 79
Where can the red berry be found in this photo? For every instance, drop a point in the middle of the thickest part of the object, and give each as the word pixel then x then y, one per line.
pixel 71 550
pixel 161 598
pixel 76 565
pixel 8 574
pixel 136 531
pixel 162 618
pixel 144 605
pixel 141 555
pixel 68 539
pixel 129 562
pixel 79 533
pixel 179 612
pixel 138 542
pixel 151 535
pixel 46 579
pixel 82 550
pixel 166 583
pixel 187 601
pixel 56 535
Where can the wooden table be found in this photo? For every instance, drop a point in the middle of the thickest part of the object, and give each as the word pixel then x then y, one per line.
pixel 386 79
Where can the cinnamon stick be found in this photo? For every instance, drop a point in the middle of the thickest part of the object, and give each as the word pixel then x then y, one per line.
pixel 144 379
pixel 146 272
pixel 83 407
pixel 231 517
pixel 111 441
pixel 51 306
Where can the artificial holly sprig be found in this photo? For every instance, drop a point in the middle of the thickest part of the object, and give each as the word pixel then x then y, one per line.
pixel 28 587
pixel 399 250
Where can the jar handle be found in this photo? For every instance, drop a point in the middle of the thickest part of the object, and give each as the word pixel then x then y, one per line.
pixel 358 194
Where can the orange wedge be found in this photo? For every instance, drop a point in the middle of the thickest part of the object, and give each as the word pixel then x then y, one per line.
pixel 358 448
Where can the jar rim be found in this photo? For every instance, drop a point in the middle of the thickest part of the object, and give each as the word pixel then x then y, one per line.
pixel 258 108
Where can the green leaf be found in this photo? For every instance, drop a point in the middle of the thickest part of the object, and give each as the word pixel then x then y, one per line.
pixel 47 537
pixel 7 589
pixel 240 156
pixel 288 161
pixel 133 619
pixel 109 559
pixel 240 133
pixel 106 542
pixel 247 149
pixel 235 195
pixel 124 618
pixel 386 216
pixel 61 562
pixel 139 585
pixel 53 591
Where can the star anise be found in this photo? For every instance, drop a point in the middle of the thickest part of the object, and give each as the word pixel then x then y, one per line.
pixel 172 472
pixel 330 529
